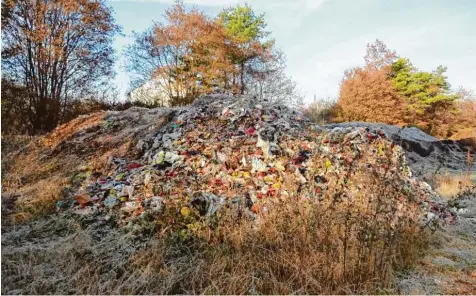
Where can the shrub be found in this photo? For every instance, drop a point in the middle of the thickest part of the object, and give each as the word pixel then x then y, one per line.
pixel 322 111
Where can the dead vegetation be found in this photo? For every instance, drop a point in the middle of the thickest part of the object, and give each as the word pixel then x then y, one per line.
pixel 300 247
pixel 38 170
pixel 449 185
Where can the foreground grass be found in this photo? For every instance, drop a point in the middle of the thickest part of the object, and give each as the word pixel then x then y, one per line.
pixel 300 247
pixel 353 236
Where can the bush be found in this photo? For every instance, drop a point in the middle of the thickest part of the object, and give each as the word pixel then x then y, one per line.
pixel 322 111
pixel 16 111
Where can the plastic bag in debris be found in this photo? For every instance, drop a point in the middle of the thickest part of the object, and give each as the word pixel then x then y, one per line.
pixel 207 203
pixel 111 201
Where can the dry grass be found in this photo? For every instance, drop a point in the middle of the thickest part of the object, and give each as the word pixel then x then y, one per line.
pixel 351 238
pixel 450 185
pixel 44 201
pixel 37 169
pixel 299 248
pixel 464 133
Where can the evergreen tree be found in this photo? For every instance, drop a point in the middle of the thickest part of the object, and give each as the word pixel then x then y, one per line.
pixel 427 94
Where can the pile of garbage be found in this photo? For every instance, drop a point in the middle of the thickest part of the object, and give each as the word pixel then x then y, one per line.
pixel 226 152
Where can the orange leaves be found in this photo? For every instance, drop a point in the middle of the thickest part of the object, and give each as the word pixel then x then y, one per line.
pixel 51 40
pixel 193 55
pixel 367 95
pixel 189 50
pixel 83 199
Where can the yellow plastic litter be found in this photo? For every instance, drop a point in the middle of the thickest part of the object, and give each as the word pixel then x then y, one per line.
pixel 185 211
pixel 279 167
pixel 380 150
pixel 328 163
pixel 160 157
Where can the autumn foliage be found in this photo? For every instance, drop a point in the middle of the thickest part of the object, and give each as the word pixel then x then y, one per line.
pixel 55 52
pixel 367 95
pixel 389 89
pixel 190 54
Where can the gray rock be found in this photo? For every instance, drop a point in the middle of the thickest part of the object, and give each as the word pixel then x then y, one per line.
pixel 425 154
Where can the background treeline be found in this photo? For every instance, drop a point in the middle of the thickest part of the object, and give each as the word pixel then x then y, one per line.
pixel 189 54
pixel 58 58
pixel 390 89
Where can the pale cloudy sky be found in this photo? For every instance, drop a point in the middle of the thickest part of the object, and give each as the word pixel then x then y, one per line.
pixel 321 38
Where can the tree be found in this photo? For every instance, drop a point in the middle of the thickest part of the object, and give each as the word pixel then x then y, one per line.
pixel 322 111
pixel 427 94
pixel 14 106
pixel 268 81
pixel 390 89
pixel 58 50
pixel 368 95
pixel 379 56
pixel 190 54
pixel 247 34
pixel 184 56
pixel 464 120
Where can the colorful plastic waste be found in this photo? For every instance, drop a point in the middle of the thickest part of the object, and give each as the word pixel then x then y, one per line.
pixel 222 152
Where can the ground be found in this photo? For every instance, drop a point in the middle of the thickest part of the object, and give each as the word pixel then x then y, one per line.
pixel 450 264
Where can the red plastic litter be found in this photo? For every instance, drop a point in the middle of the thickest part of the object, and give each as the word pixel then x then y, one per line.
pixel 250 131
pixel 134 165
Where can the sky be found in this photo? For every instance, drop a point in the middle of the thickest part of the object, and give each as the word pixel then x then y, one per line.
pixel 322 38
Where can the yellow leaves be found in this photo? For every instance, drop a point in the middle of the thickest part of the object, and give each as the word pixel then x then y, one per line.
pixel 328 164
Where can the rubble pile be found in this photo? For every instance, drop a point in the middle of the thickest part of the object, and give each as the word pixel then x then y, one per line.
pixel 236 153
pixel 424 153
